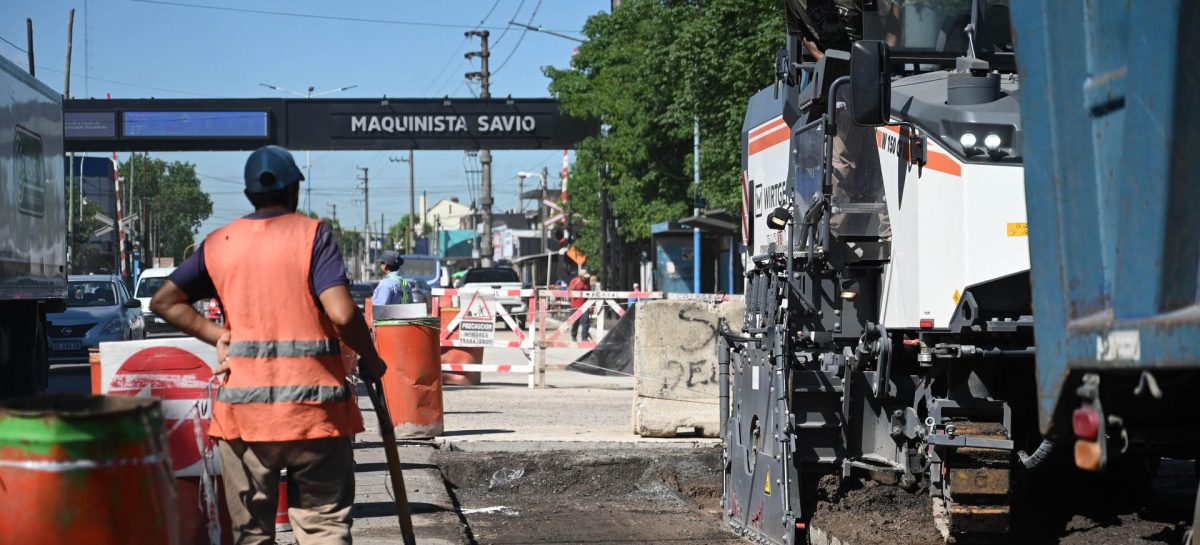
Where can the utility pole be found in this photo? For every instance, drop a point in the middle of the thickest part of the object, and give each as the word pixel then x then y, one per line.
pixel 485 156
pixel 541 215
pixel 366 188
pixel 333 211
pixel 410 237
pixel 70 156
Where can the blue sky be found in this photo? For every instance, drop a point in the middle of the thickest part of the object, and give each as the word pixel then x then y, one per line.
pixel 140 49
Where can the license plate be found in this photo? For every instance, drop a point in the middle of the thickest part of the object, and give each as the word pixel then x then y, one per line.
pixel 67 345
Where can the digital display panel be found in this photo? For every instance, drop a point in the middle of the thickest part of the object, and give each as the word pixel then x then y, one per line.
pixel 196 124
pixel 90 124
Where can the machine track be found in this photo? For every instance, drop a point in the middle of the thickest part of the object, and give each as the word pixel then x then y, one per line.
pixel 976 505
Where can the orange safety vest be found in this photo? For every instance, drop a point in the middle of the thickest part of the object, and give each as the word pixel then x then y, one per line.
pixel 286 379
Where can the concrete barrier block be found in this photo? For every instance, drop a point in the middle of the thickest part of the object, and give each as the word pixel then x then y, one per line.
pixel 675 360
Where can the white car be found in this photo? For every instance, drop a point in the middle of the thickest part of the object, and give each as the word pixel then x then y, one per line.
pixel 147 284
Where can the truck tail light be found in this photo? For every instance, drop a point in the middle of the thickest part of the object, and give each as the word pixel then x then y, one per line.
pixel 1088 455
pixel 1086 423
pixel 926 323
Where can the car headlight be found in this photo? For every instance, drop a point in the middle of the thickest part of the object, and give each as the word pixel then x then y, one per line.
pixel 113 326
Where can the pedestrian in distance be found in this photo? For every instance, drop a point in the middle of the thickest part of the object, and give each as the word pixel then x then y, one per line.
pixel 285 402
pixel 394 289
pixel 582 282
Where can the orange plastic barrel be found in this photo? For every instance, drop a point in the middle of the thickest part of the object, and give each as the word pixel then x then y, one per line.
pixel 412 385
pixel 85 469
pixel 455 354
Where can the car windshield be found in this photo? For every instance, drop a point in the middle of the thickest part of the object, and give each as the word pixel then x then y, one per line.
pixel 95 293
pixel 359 292
pixel 490 276
pixel 419 268
pixel 936 27
pixel 148 286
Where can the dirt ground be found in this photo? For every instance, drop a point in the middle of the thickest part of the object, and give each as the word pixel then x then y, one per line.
pixel 653 496
pixel 1077 510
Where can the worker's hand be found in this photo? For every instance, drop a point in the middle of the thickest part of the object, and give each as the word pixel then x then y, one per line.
pixel 816 53
pixel 222 369
pixel 371 368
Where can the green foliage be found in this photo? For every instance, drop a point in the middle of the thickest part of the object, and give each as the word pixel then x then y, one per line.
pixel 396 238
pixel 87 257
pixel 646 71
pixel 348 241
pixel 169 195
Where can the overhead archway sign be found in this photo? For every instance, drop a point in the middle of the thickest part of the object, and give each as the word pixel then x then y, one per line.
pixel 320 124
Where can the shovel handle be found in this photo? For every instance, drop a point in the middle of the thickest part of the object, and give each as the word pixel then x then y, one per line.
pixel 375 392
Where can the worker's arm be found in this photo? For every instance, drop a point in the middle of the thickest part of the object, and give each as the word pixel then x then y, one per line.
pixel 173 305
pixel 352 328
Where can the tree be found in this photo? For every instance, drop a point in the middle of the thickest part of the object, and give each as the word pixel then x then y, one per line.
pixel 86 257
pixel 646 71
pixel 397 238
pixel 348 241
pixel 168 200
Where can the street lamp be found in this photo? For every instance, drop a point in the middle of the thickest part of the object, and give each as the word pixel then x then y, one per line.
pixel 308 154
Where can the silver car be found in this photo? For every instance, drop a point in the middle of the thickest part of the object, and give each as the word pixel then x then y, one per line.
pixel 99 309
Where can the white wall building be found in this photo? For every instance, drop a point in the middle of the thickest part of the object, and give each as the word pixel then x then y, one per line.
pixel 448 215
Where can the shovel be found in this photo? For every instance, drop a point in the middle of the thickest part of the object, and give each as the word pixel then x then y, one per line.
pixel 375 392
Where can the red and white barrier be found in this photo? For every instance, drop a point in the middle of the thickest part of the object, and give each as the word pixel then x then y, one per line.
pixel 475 326
pixel 481 310
pixel 180 372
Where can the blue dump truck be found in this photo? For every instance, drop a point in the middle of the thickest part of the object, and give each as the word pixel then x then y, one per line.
pixel 33 226
pixel 1112 186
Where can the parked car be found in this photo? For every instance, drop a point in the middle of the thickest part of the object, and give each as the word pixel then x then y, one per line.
pixel 99 309
pixel 147 284
pixel 494 278
pixel 360 291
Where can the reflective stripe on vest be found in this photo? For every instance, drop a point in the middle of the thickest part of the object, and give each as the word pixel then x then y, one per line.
pixel 287 379
pixel 283 394
pixel 284 349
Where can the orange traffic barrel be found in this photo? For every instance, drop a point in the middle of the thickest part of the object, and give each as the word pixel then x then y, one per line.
pixel 85 469
pixel 412 385
pixel 94 367
pixel 458 354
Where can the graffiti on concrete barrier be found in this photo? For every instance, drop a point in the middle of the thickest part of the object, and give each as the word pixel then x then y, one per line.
pixel 690 374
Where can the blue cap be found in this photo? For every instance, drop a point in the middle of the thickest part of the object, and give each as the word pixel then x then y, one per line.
pixel 391 259
pixel 271 168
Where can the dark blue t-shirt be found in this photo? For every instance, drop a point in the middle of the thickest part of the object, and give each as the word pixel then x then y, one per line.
pixel 328 268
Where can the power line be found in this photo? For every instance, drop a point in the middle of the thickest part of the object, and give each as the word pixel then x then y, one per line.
pixel 520 39
pixel 22 62
pixel 509 27
pixel 459 49
pixel 320 17
pixel 15 46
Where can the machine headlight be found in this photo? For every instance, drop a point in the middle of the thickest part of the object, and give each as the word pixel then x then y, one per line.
pixel 992 141
pixel 113 326
pixel 968 140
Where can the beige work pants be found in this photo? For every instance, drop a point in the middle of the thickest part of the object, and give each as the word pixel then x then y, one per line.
pixel 320 489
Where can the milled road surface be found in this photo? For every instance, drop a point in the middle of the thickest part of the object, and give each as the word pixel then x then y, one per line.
pixel 649 495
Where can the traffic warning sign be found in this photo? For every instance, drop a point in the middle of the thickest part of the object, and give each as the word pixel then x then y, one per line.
pixel 478 326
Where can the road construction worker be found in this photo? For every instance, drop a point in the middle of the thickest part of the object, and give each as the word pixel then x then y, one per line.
pixel 285 402
pixel 394 289
pixel 582 282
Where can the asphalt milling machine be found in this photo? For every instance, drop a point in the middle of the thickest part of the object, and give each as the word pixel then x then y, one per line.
pixel 889 329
